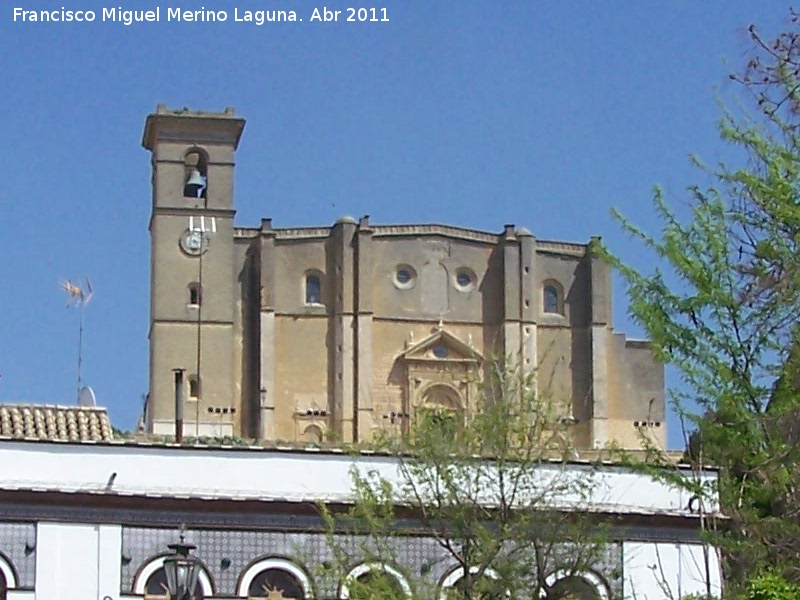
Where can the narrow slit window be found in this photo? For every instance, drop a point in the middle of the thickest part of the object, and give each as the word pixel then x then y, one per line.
pixel 313 289
pixel 194 387
pixel 195 294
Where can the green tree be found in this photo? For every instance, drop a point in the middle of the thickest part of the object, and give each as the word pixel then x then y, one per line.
pixel 490 487
pixel 724 306
pixel 772 587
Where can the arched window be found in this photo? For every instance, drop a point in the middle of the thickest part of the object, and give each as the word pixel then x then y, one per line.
pixel 275 578
pixel 312 434
pixel 442 396
pixel 195 294
pixel 313 289
pixel 270 581
pixel 151 582
pixel 583 586
pixel 8 577
pixel 441 412
pixel 572 588
pixel 156 586
pixel 194 387
pixel 375 580
pixel 195 166
pixel 551 301
pixel 485 586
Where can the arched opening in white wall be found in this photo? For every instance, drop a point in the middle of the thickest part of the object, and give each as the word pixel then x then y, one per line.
pixel 374 580
pixel 8 578
pixel 266 577
pixel 586 585
pixel 453 584
pixel 151 582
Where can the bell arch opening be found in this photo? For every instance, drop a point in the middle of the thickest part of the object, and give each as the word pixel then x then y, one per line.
pixel 195 165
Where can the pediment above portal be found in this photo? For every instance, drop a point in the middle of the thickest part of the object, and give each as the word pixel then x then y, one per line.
pixel 441 346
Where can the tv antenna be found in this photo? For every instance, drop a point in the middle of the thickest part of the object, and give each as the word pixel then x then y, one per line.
pixel 78 296
pixel 202 225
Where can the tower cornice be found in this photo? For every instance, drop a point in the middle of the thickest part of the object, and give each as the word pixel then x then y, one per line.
pixel 198 127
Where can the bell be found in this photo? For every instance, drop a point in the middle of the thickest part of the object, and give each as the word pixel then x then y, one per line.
pixel 194 184
pixel 195 178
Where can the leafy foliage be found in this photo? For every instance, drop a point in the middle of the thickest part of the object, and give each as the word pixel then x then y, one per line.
pixel 772 587
pixel 725 312
pixel 488 485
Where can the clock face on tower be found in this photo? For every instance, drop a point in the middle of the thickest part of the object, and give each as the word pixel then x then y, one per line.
pixel 193 242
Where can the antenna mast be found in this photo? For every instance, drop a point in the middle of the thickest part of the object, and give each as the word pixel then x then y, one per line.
pixel 199 339
pixel 80 345
pixel 78 296
pixel 204 228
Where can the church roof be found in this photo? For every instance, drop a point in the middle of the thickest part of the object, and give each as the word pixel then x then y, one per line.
pixel 55 423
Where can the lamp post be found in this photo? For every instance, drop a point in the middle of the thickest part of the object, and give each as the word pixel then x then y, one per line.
pixel 182 571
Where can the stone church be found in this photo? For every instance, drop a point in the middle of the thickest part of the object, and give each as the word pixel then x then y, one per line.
pixel 337 332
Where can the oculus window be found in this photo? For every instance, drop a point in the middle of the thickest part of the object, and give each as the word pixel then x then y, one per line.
pixel 465 279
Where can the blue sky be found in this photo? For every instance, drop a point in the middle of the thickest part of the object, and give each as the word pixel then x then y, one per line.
pixel 475 113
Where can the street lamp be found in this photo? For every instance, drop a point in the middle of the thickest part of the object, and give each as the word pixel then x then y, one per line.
pixel 182 571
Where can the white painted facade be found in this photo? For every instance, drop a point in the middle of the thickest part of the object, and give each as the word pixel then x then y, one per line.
pixel 81 560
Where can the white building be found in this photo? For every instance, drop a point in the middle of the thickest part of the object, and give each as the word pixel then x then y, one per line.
pixel 85 520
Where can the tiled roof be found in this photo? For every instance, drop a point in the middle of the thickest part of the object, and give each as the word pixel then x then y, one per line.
pixel 55 423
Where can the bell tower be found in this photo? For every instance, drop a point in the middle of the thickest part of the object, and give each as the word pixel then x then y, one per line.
pixel 192 279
